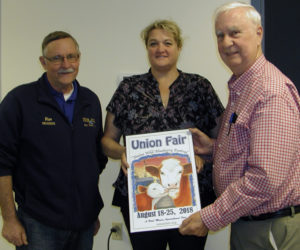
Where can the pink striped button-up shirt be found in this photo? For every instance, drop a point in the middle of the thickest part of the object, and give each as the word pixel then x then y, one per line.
pixel 257 154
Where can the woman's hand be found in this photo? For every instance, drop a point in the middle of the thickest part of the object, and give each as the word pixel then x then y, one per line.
pixel 203 145
pixel 124 163
pixel 199 163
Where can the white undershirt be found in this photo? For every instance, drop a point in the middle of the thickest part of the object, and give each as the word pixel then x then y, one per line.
pixel 67 95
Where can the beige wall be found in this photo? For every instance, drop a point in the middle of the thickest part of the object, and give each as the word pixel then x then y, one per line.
pixel 108 35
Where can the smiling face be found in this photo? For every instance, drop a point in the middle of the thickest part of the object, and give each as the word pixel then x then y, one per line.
pixel 162 50
pixel 239 40
pixel 60 75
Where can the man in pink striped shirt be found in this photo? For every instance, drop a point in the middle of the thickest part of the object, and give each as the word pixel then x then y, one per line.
pixel 257 153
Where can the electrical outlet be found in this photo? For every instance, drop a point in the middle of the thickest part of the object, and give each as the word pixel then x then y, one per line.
pixel 117 235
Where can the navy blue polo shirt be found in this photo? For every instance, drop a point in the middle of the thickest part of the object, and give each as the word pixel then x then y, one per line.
pixel 67 106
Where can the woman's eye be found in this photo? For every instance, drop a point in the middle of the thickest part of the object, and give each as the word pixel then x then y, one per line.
pixel 152 44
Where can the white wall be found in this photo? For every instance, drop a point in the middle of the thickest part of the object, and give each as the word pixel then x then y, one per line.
pixel 108 35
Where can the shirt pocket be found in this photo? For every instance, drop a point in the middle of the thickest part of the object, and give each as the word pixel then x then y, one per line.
pixel 239 136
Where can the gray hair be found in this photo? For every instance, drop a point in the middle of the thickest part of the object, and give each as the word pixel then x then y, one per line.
pixel 251 12
pixel 56 35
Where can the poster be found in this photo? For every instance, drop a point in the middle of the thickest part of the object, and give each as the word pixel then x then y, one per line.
pixel 162 180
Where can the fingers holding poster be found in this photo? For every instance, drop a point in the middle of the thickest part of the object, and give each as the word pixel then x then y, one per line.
pixel 162 180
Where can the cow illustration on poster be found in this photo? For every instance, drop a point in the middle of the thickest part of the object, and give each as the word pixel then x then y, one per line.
pixel 169 182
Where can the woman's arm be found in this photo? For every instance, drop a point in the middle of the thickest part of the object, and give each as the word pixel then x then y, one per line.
pixel 111 142
pixel 214 132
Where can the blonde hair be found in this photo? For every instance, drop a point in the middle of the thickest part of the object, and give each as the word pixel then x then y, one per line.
pixel 166 25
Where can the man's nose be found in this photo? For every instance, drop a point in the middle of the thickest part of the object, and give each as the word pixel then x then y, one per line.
pixel 227 41
pixel 65 62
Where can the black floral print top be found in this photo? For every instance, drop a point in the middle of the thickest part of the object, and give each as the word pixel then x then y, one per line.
pixel 138 108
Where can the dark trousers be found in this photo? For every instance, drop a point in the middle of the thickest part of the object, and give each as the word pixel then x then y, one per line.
pixel 158 240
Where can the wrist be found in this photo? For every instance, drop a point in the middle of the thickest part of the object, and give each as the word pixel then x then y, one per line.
pixel 9 217
pixel 212 146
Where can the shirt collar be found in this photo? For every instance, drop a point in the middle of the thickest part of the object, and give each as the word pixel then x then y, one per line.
pixel 59 94
pixel 153 81
pixel 237 83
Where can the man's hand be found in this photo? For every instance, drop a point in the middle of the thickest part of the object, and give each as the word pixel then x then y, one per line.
pixel 96 226
pixel 193 225
pixel 14 232
pixel 203 145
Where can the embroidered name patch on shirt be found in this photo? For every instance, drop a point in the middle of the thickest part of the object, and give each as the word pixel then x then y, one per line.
pixel 48 121
pixel 89 122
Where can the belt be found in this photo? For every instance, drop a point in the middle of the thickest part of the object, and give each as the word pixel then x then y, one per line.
pixel 288 211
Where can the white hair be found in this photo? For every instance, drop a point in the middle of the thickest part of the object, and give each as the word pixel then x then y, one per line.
pixel 251 12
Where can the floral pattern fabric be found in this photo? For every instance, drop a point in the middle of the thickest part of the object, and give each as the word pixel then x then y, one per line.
pixel 138 108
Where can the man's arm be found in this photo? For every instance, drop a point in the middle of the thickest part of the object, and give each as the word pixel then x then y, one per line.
pixel 12 229
pixel 274 142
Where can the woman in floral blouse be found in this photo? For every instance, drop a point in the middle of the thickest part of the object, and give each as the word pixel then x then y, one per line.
pixel 163 99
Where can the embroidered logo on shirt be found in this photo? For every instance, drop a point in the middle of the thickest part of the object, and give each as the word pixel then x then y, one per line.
pixel 89 122
pixel 48 121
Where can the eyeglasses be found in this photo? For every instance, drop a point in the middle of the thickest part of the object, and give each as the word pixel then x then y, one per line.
pixel 71 58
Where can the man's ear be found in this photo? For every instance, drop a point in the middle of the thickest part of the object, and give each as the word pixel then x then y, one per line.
pixel 260 32
pixel 43 62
